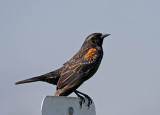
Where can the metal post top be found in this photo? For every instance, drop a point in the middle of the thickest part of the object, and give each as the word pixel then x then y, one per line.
pixel 60 105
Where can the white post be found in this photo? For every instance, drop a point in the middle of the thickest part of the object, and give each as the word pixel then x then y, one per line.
pixel 59 105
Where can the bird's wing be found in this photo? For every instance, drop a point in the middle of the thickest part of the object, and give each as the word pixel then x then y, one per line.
pixel 75 58
pixel 74 74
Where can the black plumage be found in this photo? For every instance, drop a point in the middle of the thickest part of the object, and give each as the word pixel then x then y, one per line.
pixel 78 69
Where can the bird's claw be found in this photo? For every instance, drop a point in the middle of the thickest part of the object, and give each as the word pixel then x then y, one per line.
pixel 89 102
pixel 82 101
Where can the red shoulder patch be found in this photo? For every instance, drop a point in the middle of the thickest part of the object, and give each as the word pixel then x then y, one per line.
pixel 91 53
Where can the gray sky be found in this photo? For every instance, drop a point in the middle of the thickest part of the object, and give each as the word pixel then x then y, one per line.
pixel 38 36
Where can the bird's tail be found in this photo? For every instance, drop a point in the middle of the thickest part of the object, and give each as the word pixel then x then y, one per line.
pixel 33 79
pixel 51 78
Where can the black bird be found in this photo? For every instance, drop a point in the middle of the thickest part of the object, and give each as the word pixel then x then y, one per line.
pixel 78 69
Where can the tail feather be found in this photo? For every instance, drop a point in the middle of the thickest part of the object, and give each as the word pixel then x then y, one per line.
pixel 51 78
pixel 34 79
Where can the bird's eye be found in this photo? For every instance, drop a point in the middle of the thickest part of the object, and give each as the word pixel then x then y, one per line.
pixel 99 35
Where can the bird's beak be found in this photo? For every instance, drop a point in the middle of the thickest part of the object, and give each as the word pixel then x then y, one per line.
pixel 104 35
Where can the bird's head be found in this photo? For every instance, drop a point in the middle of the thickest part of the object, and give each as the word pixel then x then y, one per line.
pixel 95 39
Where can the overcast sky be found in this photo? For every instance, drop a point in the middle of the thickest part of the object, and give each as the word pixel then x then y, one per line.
pixel 38 36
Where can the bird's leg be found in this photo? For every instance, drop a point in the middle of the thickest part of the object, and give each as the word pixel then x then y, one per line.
pixel 81 97
pixel 89 99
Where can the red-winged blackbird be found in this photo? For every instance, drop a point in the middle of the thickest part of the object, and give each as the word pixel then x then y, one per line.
pixel 78 69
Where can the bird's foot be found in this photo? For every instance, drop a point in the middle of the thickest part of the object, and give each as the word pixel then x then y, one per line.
pixel 86 96
pixel 89 100
pixel 82 101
